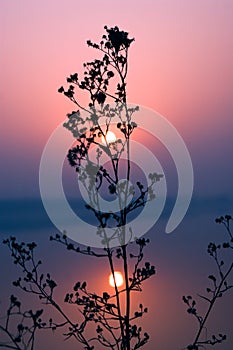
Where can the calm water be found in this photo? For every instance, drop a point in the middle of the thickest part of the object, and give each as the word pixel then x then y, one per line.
pixel 180 259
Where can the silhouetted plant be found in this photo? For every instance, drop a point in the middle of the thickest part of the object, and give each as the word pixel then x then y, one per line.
pixel 101 310
pixel 19 327
pixel 219 286
pixel 113 326
pixel 88 130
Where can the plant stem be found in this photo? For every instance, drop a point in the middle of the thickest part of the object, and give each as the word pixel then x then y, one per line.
pixel 212 302
pixel 127 316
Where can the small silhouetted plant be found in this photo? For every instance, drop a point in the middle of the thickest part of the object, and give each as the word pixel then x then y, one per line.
pixel 19 327
pixel 219 285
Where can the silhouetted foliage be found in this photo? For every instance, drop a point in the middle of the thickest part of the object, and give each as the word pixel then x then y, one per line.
pixel 113 326
pixel 219 286
pixel 100 310
pixel 20 326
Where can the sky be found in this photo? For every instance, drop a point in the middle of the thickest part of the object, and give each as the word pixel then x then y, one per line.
pixel 180 65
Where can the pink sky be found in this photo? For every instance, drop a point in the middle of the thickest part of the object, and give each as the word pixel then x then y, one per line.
pixel 180 65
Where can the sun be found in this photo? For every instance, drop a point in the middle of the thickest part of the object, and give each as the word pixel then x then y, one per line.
pixel 118 277
pixel 110 138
